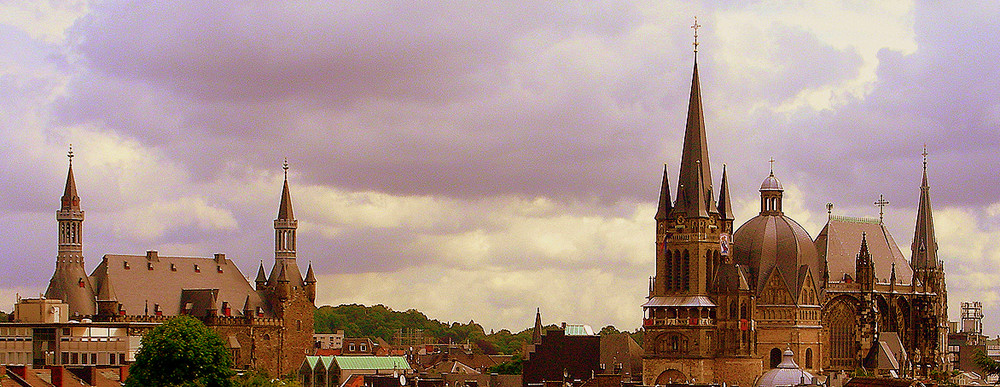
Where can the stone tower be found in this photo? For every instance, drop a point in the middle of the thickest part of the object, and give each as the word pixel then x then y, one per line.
pixel 688 334
pixel 290 296
pixel 929 272
pixel 70 282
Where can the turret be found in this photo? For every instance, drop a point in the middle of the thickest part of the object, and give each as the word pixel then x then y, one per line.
pixel 70 282
pixel 284 240
pixel 310 284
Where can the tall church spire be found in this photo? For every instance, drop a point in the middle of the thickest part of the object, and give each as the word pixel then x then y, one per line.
pixel 924 246
pixel 70 282
pixel 695 180
pixel 284 239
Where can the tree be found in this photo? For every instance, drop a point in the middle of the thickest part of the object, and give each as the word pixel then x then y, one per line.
pixel 990 367
pixel 181 352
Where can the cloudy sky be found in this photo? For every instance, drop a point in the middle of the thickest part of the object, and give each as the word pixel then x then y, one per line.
pixel 479 161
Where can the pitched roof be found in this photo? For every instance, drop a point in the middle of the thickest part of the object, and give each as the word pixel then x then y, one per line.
pixel 372 362
pixel 694 184
pixel 840 241
pixel 165 280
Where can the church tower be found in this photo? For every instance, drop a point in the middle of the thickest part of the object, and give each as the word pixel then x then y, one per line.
pixel 691 330
pixel 290 297
pixel 928 271
pixel 70 282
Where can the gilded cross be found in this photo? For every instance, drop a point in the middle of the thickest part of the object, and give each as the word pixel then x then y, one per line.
pixel 881 203
pixel 695 27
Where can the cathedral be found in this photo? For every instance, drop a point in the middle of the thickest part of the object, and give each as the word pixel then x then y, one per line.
pixel 268 325
pixel 724 303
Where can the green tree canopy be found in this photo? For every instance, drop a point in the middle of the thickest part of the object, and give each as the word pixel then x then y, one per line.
pixel 181 352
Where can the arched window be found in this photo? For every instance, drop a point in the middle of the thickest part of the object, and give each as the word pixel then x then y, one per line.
pixel 733 310
pixel 686 271
pixel 809 358
pixel 843 339
pixel 775 357
pixel 677 270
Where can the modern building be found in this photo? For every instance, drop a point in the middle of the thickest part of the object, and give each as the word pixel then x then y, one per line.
pixel 267 325
pixel 724 303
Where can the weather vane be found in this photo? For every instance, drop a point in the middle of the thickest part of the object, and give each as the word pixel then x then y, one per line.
pixel 695 27
pixel 925 156
pixel 881 203
pixel 70 154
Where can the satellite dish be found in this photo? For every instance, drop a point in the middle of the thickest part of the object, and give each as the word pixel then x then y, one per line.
pixel 402 380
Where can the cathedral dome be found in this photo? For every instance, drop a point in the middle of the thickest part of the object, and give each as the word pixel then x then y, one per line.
pixel 771 183
pixel 772 242
pixel 787 373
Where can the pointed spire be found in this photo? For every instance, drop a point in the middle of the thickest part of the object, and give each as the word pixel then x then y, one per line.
pixel 246 306
pixel 536 335
pixel 310 277
pixel 261 277
pixel 725 203
pixel 285 210
pixel 924 246
pixel 664 206
pixel 695 171
pixel 70 199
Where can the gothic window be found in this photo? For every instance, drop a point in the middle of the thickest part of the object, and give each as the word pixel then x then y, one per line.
pixel 843 340
pixel 686 270
pixel 733 310
pixel 676 277
pixel 668 270
pixel 743 310
pixel 809 358
pixel 775 357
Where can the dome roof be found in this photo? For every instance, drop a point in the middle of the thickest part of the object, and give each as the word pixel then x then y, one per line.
pixel 775 242
pixel 787 373
pixel 771 183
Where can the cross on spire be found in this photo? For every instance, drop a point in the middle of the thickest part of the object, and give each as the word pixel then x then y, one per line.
pixel 881 203
pixel 771 161
pixel 695 27
pixel 70 155
pixel 284 166
pixel 925 156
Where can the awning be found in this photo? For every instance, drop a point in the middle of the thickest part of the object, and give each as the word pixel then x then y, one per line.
pixel 679 301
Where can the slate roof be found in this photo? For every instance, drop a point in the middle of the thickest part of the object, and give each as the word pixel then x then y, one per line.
pixel 776 242
pixel 840 241
pixel 173 281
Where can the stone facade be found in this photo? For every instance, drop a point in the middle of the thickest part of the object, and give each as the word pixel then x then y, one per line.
pixel 268 325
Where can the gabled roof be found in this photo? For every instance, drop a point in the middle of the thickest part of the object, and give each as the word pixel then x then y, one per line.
pixel 165 282
pixel 840 241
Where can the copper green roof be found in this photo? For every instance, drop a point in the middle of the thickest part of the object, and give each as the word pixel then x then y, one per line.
pixel 372 362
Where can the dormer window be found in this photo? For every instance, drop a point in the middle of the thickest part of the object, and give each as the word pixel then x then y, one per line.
pixel 219 269
pixel 157 310
pixel 226 310
pixel 81 283
pixel 196 268
pixel 173 267
pixel 149 266
pixel 260 312
pixel 125 265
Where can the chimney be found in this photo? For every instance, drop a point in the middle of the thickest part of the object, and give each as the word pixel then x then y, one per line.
pixel 152 256
pixel 220 258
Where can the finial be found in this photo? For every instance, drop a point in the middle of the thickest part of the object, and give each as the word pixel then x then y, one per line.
pixel 881 203
pixel 829 210
pixel 771 161
pixel 284 166
pixel 695 27
pixel 925 157
pixel 70 155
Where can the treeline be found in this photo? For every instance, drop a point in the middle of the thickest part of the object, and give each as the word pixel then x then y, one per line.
pixel 379 321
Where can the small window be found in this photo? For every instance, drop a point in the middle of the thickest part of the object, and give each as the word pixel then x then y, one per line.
pixel 93 358
pixel 218 268
pixel 173 267
pixel 65 357
pixel 81 283
pixel 196 268
pixel 364 348
pixel 125 265
pixel 65 331
pixel 121 358
pixel 149 266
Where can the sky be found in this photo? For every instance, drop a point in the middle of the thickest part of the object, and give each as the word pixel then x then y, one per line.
pixel 479 160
